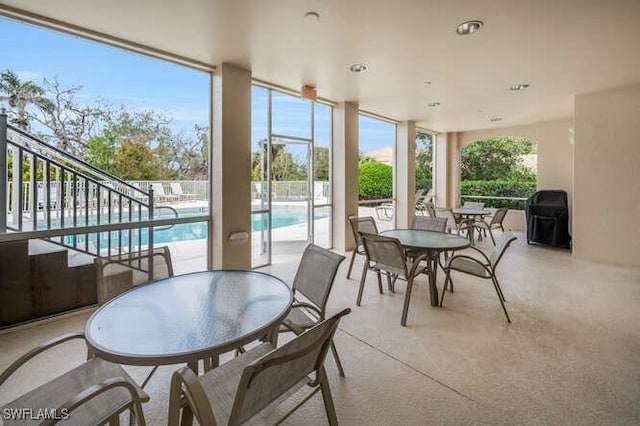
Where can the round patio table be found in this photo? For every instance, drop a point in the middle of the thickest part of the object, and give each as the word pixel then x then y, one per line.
pixel 469 216
pixel 432 243
pixel 188 317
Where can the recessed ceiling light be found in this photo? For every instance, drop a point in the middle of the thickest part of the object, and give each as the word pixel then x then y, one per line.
pixel 469 27
pixel 358 68
pixel 520 86
pixel 427 82
pixel 312 16
pixel 433 104
pixel 494 119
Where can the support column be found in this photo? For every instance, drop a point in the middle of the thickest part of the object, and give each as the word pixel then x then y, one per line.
pixel 447 179
pixel 405 173
pixel 345 173
pixel 231 169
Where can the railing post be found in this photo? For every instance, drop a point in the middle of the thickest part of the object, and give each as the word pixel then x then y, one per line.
pixel 4 172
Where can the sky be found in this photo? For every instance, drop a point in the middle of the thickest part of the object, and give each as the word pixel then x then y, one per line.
pixel 139 82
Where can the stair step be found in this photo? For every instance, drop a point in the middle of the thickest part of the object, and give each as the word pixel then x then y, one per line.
pixel 74 259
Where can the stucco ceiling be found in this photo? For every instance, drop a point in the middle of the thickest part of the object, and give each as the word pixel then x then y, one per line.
pixel 560 47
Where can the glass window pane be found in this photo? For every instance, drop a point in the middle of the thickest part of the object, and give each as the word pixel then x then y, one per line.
pixel 291 116
pixel 322 227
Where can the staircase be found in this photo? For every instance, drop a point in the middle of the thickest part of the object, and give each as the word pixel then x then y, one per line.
pixel 40 279
pixel 55 218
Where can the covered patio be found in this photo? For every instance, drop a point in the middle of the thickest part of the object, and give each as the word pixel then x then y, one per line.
pixel 571 355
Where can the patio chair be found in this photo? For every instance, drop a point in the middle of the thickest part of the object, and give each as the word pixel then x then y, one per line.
pixel 454 222
pixel 176 189
pixel 256 380
pixel 438 224
pixel 360 224
pixel 421 203
pixel 95 392
pixel 483 267
pixel 117 274
pixel 385 255
pixel 313 281
pixel 496 222
pixel 160 194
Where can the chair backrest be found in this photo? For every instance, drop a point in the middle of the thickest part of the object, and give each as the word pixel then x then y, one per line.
pixel 158 189
pixel 438 224
pixel 431 209
pixel 117 274
pixel 386 253
pixel 316 273
pixel 366 224
pixel 269 377
pixel 500 248
pixel 473 205
pixel 452 220
pixel 499 215
pixel 176 188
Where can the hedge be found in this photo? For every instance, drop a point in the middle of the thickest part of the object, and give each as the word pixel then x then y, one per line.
pixel 497 188
pixel 375 181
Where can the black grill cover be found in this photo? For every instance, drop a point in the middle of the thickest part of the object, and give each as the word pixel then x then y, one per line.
pixel 547 215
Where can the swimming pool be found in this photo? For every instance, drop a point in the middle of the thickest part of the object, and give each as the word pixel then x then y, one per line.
pixel 282 216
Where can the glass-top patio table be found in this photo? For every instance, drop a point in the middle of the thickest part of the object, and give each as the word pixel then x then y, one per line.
pixel 469 216
pixel 431 242
pixel 188 317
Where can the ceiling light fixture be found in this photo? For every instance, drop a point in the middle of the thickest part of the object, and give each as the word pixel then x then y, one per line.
pixel 433 104
pixel 358 68
pixel 520 86
pixel 469 27
pixel 495 119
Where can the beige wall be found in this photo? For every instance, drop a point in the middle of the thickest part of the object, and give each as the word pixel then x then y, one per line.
pixel 607 176
pixel 231 165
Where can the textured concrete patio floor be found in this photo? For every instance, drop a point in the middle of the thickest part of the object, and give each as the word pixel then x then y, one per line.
pixel 571 355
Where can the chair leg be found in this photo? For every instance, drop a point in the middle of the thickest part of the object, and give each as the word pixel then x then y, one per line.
pixel 361 289
pixel 379 282
pixel 353 257
pixel 326 397
pixel 500 298
pixel 493 240
pixel 447 279
pixel 407 299
pixel 337 358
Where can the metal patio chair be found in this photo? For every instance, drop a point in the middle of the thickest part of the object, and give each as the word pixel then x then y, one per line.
pixel 311 287
pixel 483 267
pixel 360 224
pixel 95 392
pixel 495 223
pixel 257 380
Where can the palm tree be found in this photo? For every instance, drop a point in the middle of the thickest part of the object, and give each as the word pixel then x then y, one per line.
pixel 19 94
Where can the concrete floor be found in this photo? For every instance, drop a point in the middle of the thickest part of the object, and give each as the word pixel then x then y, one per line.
pixel 571 355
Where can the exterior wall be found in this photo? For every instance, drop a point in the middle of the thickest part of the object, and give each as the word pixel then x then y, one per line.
pixel 607 176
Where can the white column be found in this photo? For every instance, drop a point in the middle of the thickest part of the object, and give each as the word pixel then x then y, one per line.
pixel 231 168
pixel 405 173
pixel 345 173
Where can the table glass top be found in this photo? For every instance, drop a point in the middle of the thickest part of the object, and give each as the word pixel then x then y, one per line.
pixel 188 313
pixel 427 239
pixel 470 211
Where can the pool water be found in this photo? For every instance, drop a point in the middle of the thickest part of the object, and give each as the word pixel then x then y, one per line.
pixel 282 217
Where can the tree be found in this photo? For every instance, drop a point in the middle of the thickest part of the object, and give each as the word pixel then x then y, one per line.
pixel 19 95
pixel 495 158
pixel 321 163
pixel 424 160
pixel 67 123
pixel 135 161
pixel 102 149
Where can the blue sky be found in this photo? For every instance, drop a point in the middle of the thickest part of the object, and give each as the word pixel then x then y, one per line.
pixel 139 82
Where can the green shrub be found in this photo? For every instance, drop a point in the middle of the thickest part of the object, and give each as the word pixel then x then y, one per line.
pixel 375 181
pixel 498 188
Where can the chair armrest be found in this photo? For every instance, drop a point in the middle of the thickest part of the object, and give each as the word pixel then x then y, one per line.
pixel 97 390
pixel 35 351
pixel 298 304
pixel 486 267
pixel 194 395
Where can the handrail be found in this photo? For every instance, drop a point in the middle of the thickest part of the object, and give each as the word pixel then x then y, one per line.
pixel 83 164
pixel 491 197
